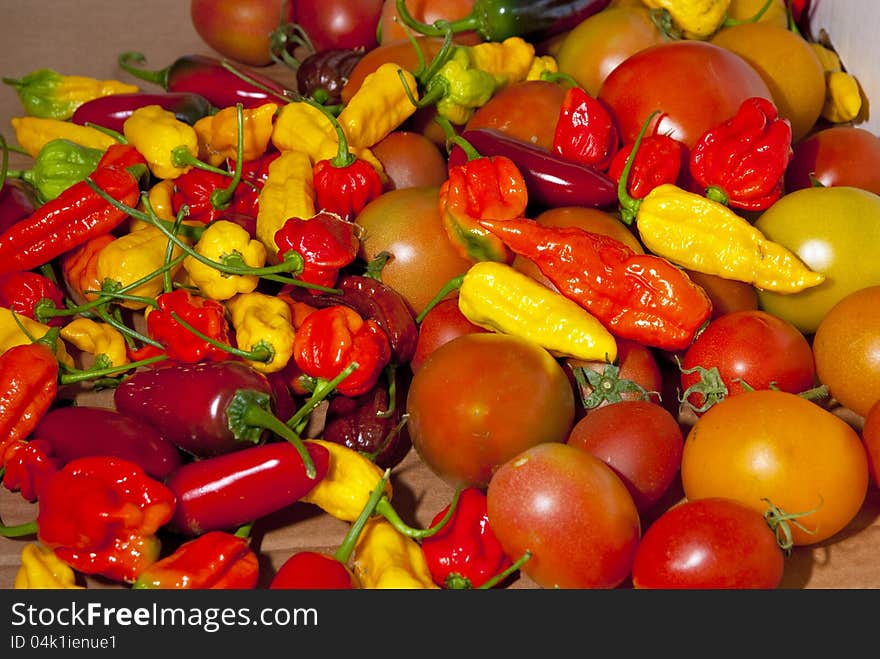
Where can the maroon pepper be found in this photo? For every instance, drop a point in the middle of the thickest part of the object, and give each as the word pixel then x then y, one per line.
pixel 112 111
pixel 18 201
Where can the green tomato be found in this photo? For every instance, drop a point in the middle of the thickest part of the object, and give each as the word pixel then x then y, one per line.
pixel 833 230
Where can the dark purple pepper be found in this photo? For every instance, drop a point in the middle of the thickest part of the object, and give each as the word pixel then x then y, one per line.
pixel 550 179
pixel 112 111
pixel 79 431
pixel 18 200
pixel 323 74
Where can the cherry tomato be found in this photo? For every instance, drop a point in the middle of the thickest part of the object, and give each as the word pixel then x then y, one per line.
pixel 773 445
pixel 871 438
pixel 839 155
pixel 339 23
pixel 571 511
pixel 441 324
pixel 847 350
pixel 709 543
pixel 641 441
pixel 240 30
pixel 482 398
pixel 410 160
pixel 750 349
pixel 696 85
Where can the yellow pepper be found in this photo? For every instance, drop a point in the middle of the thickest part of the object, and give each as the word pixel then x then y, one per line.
pixel 703 235
pixel 262 320
pixel 32 133
pixel 156 133
pixel 385 558
pixel 541 65
pixel 96 339
pixel 697 19
pixel 288 192
pixel 133 256
pixel 500 298
pixel 220 241
pixel 42 569
pixel 843 96
pixel 11 334
pixel 51 95
pixel 351 478
pixel 379 105
pixel 509 60
pixel 218 133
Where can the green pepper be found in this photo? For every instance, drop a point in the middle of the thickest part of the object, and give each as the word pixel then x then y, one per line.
pixel 59 164
pixel 50 95
pixel 461 88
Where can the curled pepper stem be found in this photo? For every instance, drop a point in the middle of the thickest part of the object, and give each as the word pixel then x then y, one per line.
pixel 254 415
pixel 469 22
pixel 323 388
pixel 387 511
pixel 452 285
pixel 501 576
pixel 344 157
pixel 131 62
pixel 284 35
pixel 220 198
pixel 346 547
pixel 454 139
pixel 181 157
pixel 72 376
pixel 629 206
pixel 125 329
pixel 404 419
pixel 19 530
pixel 262 352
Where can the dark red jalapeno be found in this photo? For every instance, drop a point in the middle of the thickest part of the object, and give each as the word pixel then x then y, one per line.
pixel 112 111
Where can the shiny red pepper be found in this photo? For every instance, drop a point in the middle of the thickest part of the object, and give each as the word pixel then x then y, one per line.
pixel 112 111
pixel 195 189
pixel 246 200
pixel 327 243
pixel 27 466
pixel 660 159
pixel 741 162
pixel 207 316
pixel 100 514
pixel 22 291
pixel 331 338
pixel 313 570
pixel 585 131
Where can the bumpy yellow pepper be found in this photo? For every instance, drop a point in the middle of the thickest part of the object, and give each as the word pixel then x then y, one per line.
pixel 156 132
pixel 508 61
pixel 385 558
pixel 541 65
pixel 288 192
pixel 220 241
pixel 11 334
pixel 32 134
pixel 133 256
pixel 42 569
pixel 697 19
pixel 218 133
pixel 465 87
pixel 706 236
pixel 263 320
pixel 96 339
pixel 500 298
pixel 843 97
pixel 350 480
pixel 52 95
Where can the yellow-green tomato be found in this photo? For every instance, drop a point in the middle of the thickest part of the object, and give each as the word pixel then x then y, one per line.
pixel 835 231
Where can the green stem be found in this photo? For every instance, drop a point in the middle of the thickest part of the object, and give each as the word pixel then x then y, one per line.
pixel 322 389
pixel 344 157
pixel 387 511
pixel 286 97
pixel 18 531
pixel 629 206
pixel 244 531
pixel 220 198
pixel 263 352
pixel 125 62
pixel 501 576
pixel 115 134
pixel 4 164
pixel 730 22
pixel 73 376
pixel 125 329
pixel 466 24
pixel 256 416
pixel 345 549
pixel 452 285
pixel 181 157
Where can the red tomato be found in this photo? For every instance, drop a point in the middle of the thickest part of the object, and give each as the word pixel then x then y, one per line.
pixel 339 23
pixel 441 324
pixel 709 543
pixel 695 85
pixel 392 29
pixel 750 349
pixel 836 156
pixel 410 160
pixel 641 441
pixel 571 511
pixel 871 438
pixel 240 30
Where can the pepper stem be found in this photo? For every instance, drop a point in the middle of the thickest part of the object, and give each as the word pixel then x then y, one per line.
pixel 453 138
pixel 322 389
pixel 346 547
pixel 181 157
pixel 629 206
pixel 76 375
pixel 730 22
pixel 344 157
pixel 131 62
pixel 220 197
pixel 452 285
pixel 4 165
pixel 387 511
pixel 262 352
pixel 501 576
pixel 18 531
pixel 469 22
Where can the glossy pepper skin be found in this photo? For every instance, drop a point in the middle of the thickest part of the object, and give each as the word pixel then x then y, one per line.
pixel 27 465
pixel 386 559
pixel 313 570
pixel 465 553
pixel 550 179
pixel 696 19
pixel 641 297
pixel 326 241
pixel 215 560
pixel 112 111
pixel 32 134
pixel 585 131
pixel 100 514
pixel 42 569
pixel 99 339
pixel 345 183
pixel 218 133
pixel 58 165
pixel 221 240
pixel 28 388
pixel 225 491
pixel 660 159
pixel 22 291
pixel 207 316
pixel 18 200
pixel 741 163
pixel 287 192
pixel 51 95
pixel 156 133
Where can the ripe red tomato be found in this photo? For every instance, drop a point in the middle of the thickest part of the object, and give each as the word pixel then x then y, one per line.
pixel 571 511
pixel 695 85
pixel 441 324
pixel 839 155
pixel 641 441
pixel 750 349
pixel 339 23
pixel 240 30
pixel 481 399
pixel 410 160
pixel 709 543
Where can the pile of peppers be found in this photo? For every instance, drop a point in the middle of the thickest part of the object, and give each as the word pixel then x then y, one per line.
pixel 194 250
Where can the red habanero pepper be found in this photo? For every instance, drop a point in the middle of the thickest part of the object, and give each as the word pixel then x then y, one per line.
pixel 465 553
pixel 122 156
pixel 741 163
pixel 100 514
pixel 660 159
pixel 642 297
pixel 585 131
pixel 215 560
pixel 21 291
pixel 246 200
pixel 326 242
pixel 27 466
pixel 333 337
pixel 194 188
pixel 28 386
pixel 206 315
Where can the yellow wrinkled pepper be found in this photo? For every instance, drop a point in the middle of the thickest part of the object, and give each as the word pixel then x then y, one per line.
pixel 11 334
pixel 541 65
pixel 133 256
pixel 218 133
pixel 32 134
pixel 509 60
pixel 96 339
pixel 52 95
pixel 263 320
pixel 156 132
pixel 703 235
pixel 500 298
pixel 697 19
pixel 348 484
pixel 42 569
pixel 384 558
pixel 843 97
pixel 219 241
pixel 288 192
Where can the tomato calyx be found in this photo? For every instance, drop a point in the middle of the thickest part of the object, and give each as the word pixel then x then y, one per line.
pixel 710 386
pixel 607 386
pixel 779 522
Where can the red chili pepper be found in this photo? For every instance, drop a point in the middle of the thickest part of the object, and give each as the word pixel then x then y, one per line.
pixel 585 131
pixel 100 514
pixel 741 162
pixel 207 316
pixel 246 200
pixel 465 553
pixel 194 188
pixel 326 242
pixel 333 337
pixel 659 160
pixel 312 570
pixel 28 386
pixel 18 201
pixel 28 466
pixel 112 111
pixel 216 560
pixel 22 291
pixel 122 156
pixel 641 297
pixel 482 188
